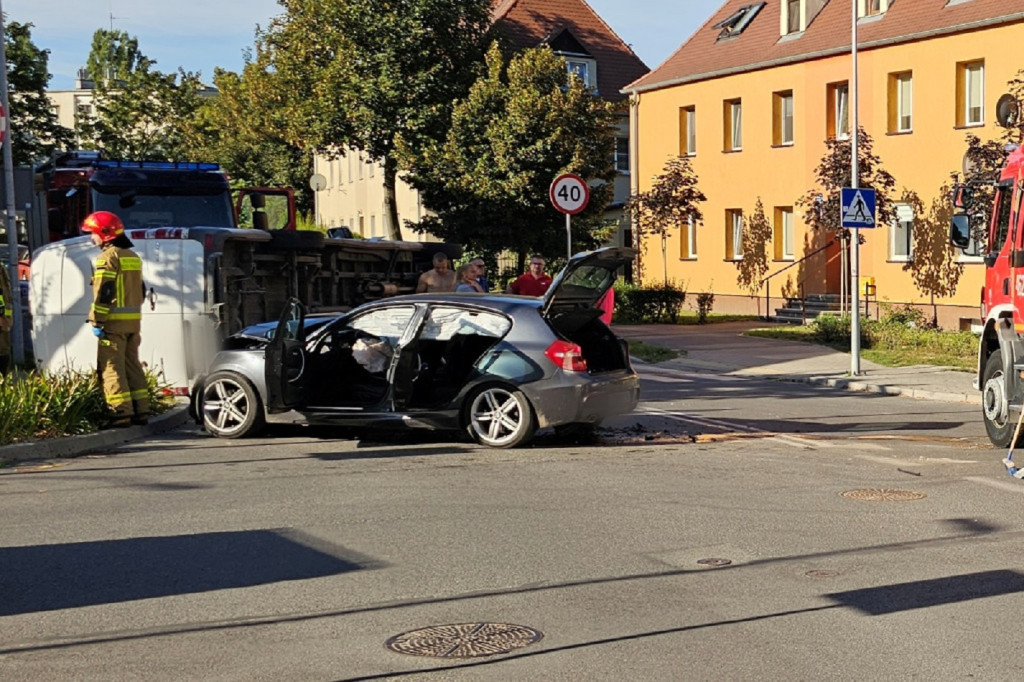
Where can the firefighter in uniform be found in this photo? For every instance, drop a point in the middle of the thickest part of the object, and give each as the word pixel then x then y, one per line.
pixel 6 319
pixel 116 319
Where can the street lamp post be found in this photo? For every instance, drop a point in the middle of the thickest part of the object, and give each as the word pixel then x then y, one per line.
pixel 17 340
pixel 855 255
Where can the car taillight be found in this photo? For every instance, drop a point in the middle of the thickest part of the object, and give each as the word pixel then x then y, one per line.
pixel 567 355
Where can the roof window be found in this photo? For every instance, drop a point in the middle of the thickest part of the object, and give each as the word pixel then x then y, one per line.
pixel 738 21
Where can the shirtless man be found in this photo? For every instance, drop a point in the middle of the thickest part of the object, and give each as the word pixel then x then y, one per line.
pixel 441 278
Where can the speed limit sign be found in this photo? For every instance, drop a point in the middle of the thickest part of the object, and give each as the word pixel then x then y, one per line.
pixel 569 193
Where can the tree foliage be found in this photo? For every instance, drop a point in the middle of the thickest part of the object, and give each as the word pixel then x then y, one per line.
pixel 522 124
pixel 934 265
pixel 822 203
pixel 755 241
pixel 138 110
pixel 671 202
pixel 35 130
pixel 363 74
pixel 240 128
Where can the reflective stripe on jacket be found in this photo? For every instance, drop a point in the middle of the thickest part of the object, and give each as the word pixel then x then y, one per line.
pixel 117 290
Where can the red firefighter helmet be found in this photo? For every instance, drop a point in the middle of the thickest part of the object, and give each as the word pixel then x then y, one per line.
pixel 104 223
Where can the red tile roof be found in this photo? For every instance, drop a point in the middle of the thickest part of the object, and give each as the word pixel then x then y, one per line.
pixel 759 46
pixel 528 23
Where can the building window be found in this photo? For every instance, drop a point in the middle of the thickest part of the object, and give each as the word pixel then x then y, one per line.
pixel 782 118
pixel 838 106
pixel 735 23
pixel 348 159
pixel 688 131
pixel 689 242
pixel 871 8
pixel 970 93
pixel 373 226
pixel 901 234
pixel 583 69
pixel 622 155
pixel 784 237
pixel 791 17
pixel 733 234
pixel 901 102
pixel 733 114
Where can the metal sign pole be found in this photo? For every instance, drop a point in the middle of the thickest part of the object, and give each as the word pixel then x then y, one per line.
pixel 568 234
pixel 855 257
pixel 17 342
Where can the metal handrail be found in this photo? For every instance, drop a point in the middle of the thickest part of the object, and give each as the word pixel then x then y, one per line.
pixel 767 287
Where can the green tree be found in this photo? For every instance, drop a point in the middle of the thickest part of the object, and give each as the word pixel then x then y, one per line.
pixel 754 240
pixel 983 163
pixel 35 131
pixel 933 266
pixel 670 203
pixel 521 126
pixel 240 128
pixel 365 74
pixel 821 204
pixel 139 111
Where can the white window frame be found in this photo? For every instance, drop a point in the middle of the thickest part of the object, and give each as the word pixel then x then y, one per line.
pixel 583 67
pixel 621 155
pixel 787 233
pixel 736 229
pixel 691 131
pixel 841 92
pixel 735 123
pixel 691 238
pixel 974 76
pixel 786 122
pixel 901 234
pixel 905 102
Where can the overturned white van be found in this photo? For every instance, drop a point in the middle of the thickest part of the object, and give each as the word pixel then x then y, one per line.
pixel 205 283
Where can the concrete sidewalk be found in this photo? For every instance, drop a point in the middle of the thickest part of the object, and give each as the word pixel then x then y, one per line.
pixel 722 349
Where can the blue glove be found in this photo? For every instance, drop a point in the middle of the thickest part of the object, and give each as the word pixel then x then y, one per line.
pixel 98 332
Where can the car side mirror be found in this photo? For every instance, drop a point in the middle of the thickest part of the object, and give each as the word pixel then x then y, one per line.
pixel 960 231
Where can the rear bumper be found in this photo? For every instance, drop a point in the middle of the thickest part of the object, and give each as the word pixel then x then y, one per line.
pixel 583 399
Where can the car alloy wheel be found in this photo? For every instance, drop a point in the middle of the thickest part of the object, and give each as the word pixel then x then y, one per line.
pixel 231 407
pixel 500 417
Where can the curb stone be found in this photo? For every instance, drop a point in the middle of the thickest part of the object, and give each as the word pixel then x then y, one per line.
pixel 73 446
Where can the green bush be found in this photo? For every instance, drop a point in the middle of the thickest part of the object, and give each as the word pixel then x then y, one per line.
pixel 39 405
pixel 650 304
pixel 902 330
pixel 704 303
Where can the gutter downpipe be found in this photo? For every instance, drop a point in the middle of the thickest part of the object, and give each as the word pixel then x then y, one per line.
pixel 634 163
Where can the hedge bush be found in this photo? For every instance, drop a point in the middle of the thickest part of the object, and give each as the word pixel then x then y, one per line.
pixel 649 304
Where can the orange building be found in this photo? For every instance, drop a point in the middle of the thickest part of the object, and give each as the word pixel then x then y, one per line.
pixel 751 98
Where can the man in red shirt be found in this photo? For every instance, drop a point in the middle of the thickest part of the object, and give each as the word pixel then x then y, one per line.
pixel 534 282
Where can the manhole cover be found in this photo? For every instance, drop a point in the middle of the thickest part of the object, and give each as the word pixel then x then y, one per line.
pixel 714 562
pixel 464 640
pixel 883 495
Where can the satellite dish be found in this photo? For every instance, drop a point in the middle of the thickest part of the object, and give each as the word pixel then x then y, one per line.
pixel 1007 111
pixel 317 182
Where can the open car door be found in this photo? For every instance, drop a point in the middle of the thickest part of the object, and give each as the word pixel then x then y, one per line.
pixel 285 361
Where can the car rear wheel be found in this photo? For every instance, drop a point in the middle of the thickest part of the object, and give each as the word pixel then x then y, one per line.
pixel 231 406
pixel 500 417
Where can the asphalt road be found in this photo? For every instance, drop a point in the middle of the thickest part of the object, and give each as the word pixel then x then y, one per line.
pixel 731 529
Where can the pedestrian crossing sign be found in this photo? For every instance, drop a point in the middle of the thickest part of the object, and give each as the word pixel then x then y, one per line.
pixel 858 207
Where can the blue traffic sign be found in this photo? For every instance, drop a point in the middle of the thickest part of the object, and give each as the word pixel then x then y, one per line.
pixel 858 207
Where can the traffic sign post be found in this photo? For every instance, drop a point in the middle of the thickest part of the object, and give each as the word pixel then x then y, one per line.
pixel 570 194
pixel 857 211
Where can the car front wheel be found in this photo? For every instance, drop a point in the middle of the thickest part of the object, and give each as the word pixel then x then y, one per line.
pixel 231 406
pixel 500 417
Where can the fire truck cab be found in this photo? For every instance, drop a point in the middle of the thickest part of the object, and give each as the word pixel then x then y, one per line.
pixel 1001 350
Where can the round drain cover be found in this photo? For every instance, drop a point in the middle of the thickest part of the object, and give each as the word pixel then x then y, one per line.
pixel 883 495
pixel 464 640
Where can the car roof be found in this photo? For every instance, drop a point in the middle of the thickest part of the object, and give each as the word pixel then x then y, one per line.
pixel 505 303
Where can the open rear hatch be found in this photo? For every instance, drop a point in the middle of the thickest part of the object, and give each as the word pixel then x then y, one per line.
pixel 570 306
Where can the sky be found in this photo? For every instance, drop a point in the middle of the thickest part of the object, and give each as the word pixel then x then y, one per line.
pixel 199 35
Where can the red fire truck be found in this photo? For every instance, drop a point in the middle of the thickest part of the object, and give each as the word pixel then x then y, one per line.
pixel 1001 351
pixel 151 194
